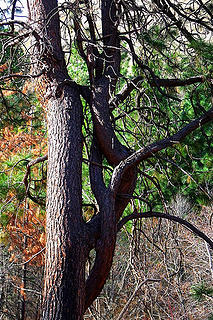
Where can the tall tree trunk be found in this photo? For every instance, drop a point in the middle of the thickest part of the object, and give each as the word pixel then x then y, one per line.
pixel 67 241
pixel 66 248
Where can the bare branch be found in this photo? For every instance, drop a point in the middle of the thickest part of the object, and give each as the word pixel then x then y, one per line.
pixel 125 92
pixel 144 67
pixel 27 174
pixel 37 160
pixel 21 76
pixel 137 288
pixel 153 214
pixel 32 257
pixel 163 7
pixel 177 82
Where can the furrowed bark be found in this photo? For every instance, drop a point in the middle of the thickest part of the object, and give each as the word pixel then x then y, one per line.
pixel 67 237
pixel 66 247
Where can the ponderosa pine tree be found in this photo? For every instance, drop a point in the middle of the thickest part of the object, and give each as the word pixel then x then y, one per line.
pixel 125 117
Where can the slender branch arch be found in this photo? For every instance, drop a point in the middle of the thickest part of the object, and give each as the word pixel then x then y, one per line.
pixel 154 214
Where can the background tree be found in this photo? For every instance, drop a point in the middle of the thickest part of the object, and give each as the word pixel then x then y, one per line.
pixel 145 85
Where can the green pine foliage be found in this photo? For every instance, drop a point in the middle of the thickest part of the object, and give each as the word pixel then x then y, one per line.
pixel 201 291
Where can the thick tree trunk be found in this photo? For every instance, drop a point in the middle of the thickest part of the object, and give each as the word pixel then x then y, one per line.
pixel 67 241
pixel 66 251
pixel 66 293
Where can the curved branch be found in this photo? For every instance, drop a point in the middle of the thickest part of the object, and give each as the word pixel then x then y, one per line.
pixel 105 247
pixel 146 68
pixel 149 151
pixel 13 22
pixel 26 182
pixel 25 25
pixel 188 17
pixel 177 82
pixel 157 82
pixel 107 141
pixel 153 214
pixel 125 92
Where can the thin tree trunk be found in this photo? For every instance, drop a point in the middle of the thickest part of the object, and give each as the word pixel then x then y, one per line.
pixel 23 285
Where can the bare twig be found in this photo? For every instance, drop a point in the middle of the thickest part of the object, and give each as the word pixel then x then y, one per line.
pixel 137 288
